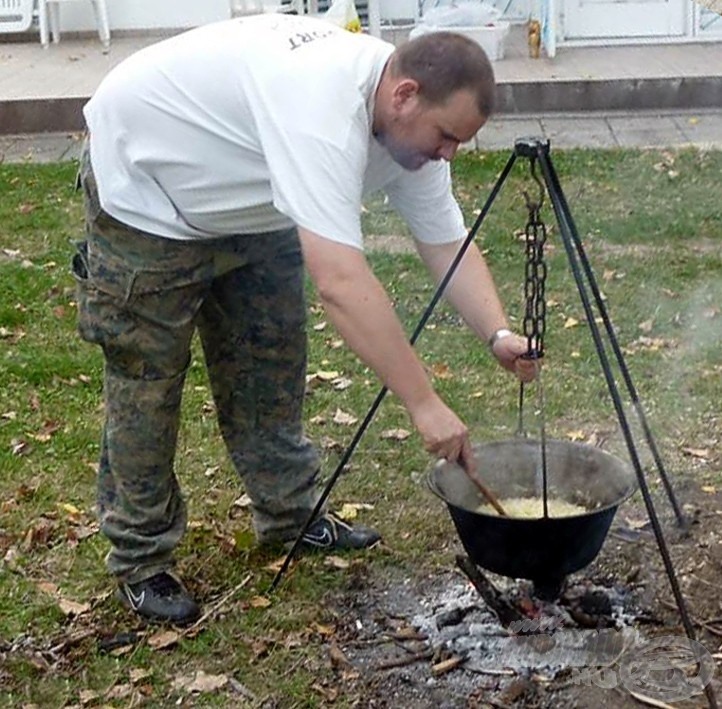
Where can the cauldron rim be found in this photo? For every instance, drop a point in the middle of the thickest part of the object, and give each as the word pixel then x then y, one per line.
pixel 433 487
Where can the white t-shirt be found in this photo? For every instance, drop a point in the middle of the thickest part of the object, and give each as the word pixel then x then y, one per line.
pixel 252 125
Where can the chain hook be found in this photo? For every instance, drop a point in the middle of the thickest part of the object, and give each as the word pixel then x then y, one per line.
pixel 534 207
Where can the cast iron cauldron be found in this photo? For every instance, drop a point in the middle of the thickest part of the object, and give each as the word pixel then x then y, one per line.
pixel 543 550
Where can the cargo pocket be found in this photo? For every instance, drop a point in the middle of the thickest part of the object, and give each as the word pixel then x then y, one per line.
pixel 92 305
pixel 138 299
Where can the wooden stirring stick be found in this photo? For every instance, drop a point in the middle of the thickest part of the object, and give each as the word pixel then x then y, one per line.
pixel 488 494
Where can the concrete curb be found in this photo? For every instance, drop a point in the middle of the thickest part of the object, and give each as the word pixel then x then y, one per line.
pixel 611 95
pixel 514 98
pixel 42 115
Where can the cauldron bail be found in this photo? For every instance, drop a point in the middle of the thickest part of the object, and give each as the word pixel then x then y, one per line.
pixel 547 549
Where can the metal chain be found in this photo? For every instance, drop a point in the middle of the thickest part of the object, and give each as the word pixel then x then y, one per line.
pixel 535 274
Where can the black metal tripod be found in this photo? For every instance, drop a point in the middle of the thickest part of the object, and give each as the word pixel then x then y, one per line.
pixel 537 152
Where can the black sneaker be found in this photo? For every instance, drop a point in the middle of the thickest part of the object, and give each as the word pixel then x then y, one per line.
pixel 160 598
pixel 331 532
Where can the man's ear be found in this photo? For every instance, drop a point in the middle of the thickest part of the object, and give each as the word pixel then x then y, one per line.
pixel 405 92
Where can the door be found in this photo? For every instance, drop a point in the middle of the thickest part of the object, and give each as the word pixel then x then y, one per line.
pixel 608 19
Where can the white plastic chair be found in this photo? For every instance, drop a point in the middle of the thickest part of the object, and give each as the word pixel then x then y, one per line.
pixel 16 15
pixel 49 15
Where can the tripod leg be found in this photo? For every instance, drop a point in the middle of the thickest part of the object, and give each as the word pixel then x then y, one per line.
pixel 565 222
pixel 382 393
pixel 636 403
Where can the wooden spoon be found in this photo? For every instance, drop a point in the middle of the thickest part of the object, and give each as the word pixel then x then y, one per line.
pixel 487 493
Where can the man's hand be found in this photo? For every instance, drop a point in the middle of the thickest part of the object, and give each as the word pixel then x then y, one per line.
pixel 443 433
pixel 509 352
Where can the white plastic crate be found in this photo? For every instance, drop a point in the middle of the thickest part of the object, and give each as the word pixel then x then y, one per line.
pixel 491 38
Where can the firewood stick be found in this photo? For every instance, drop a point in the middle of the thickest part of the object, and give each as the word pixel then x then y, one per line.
pixel 503 609
pixel 404 661
pixel 445 666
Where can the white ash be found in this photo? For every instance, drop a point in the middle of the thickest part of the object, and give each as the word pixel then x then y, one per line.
pixel 488 646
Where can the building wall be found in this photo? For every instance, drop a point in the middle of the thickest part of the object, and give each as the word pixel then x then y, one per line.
pixel 145 14
pixel 171 14
pixel 162 14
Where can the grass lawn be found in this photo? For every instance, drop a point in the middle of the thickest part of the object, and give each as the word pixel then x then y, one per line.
pixel 652 226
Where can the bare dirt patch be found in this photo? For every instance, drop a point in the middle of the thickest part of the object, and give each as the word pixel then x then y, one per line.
pixel 425 638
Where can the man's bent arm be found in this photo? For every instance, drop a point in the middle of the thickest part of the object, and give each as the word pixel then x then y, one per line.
pixel 361 311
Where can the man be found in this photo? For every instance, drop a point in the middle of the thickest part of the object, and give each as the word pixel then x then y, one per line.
pixel 220 162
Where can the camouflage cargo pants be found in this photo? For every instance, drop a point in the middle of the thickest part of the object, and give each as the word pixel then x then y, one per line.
pixel 142 298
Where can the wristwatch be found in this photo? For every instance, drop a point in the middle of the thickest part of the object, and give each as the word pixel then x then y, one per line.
pixel 500 334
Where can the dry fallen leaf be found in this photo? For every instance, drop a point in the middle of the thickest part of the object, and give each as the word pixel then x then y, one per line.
pixel 646 326
pixel 330 694
pixel 648 344
pixel 336 562
pixel 325 630
pixel 570 322
pixel 163 639
pixel 576 435
pixel 328 443
pixel 259 602
pixel 243 501
pixel 120 691
pixel 73 608
pixel 19 447
pixel 201 683
pixel 341 383
pixel 275 566
pixel 344 419
pixel 441 371
pixel 138 674
pixel 87 696
pixel 709 489
pixel 398 434
pixel 323 375
pixel 702 453
pixel 349 510
pixel 39 535
pixel 338 659
pixel 47 587
pixel 46 432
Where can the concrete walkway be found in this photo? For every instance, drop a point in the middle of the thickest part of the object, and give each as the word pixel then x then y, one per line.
pixel 638 129
pixel 700 128
pixel 43 90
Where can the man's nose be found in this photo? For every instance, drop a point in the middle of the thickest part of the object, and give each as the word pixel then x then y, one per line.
pixel 448 150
